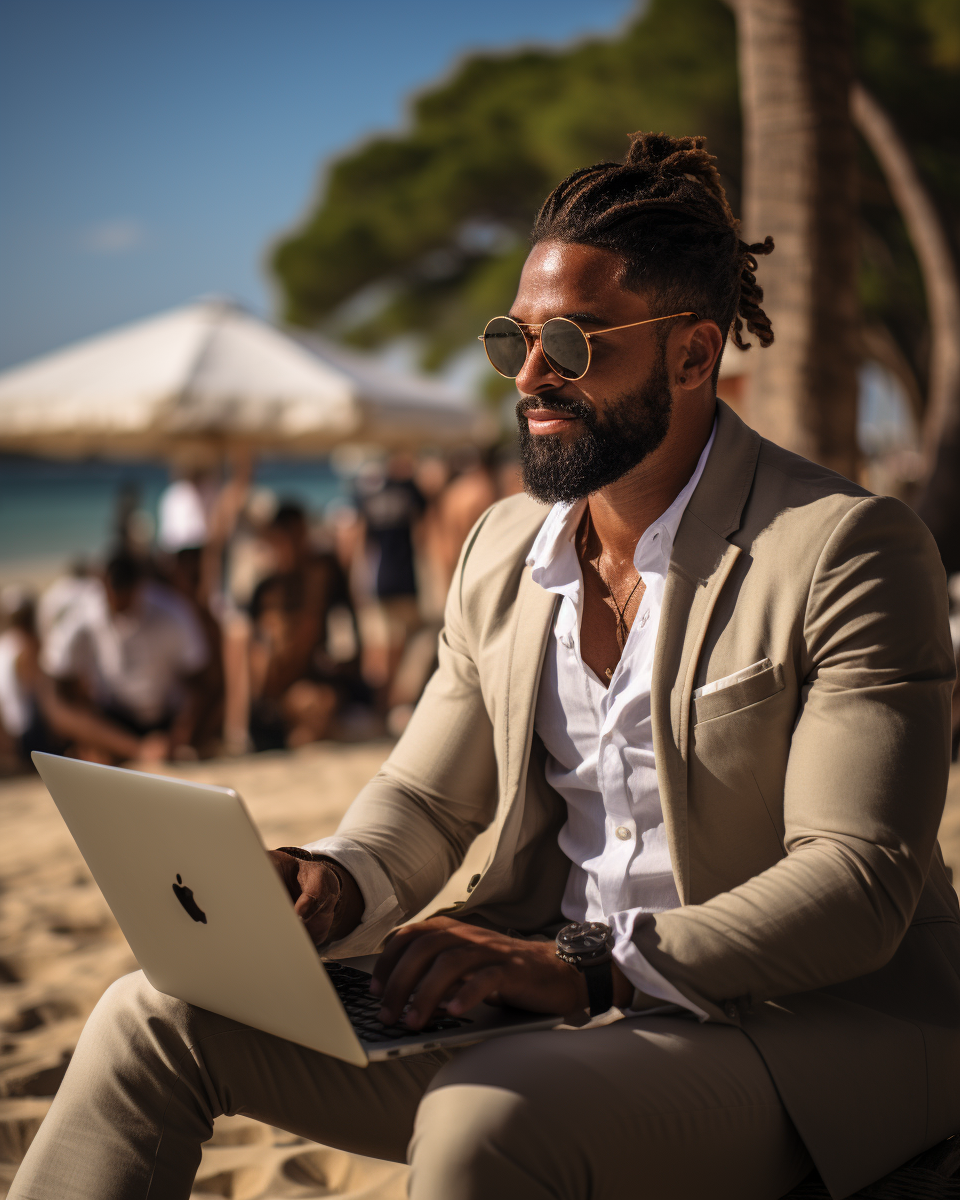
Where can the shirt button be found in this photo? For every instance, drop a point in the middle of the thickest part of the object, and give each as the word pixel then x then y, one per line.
pixel 622 832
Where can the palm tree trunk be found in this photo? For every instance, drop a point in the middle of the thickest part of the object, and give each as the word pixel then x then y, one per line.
pixel 939 503
pixel 796 69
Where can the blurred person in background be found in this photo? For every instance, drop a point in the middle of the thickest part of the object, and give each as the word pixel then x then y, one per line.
pixel 456 493
pixel 432 478
pixel 131 651
pixel 63 595
pixel 463 501
pixel 185 574
pixel 21 723
pixel 304 661
pixel 185 510
pixel 247 560
pixel 33 715
pixel 509 477
pixel 390 508
pixel 197 520
pixel 197 513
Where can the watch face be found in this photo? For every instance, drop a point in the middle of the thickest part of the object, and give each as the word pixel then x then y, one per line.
pixel 583 938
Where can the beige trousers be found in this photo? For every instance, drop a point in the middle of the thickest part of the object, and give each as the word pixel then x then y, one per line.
pixel 656 1107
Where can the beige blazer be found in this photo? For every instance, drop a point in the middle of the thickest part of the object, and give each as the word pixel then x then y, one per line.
pixel 801 803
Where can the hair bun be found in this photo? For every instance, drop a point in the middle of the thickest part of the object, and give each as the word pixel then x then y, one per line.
pixel 660 149
pixel 678 161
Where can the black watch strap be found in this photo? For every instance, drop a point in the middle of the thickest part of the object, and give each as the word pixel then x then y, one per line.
pixel 599 980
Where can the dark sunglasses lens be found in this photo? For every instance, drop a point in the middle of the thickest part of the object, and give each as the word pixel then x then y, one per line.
pixel 565 348
pixel 506 346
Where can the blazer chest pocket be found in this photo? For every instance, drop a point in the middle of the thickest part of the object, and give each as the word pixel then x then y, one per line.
pixel 760 686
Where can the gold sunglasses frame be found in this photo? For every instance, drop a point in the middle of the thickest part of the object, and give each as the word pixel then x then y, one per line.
pixel 536 334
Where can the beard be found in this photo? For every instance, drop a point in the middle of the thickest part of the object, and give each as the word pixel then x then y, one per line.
pixel 631 427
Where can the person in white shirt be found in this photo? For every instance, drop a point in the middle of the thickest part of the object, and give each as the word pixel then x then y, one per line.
pixel 19 712
pixel 131 649
pixel 184 512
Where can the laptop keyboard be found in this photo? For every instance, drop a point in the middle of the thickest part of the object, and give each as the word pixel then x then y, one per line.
pixel 353 988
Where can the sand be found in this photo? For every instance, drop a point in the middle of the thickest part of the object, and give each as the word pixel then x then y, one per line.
pixel 60 948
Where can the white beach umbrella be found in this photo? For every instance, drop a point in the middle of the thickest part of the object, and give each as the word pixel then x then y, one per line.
pixel 210 375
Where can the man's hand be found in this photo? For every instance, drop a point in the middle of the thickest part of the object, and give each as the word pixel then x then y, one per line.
pixel 442 960
pixel 325 897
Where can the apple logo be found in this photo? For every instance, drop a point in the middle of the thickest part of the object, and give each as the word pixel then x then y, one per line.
pixel 185 896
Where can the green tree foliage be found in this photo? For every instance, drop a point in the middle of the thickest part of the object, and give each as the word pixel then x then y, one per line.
pixel 429 227
pixel 908 55
pixel 425 231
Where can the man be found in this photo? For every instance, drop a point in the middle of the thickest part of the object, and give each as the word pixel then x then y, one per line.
pixel 702 699
pixel 132 649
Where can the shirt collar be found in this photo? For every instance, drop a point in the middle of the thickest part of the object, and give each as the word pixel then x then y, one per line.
pixel 553 557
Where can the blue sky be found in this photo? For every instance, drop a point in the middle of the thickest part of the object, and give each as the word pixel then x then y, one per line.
pixel 151 150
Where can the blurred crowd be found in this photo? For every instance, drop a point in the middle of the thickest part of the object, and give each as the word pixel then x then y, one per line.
pixel 248 623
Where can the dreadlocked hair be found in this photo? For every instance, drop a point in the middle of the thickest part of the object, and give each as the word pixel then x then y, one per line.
pixel 663 210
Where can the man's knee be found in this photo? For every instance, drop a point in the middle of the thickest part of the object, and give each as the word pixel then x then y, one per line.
pixel 485 1128
pixel 131 1003
pixel 133 1020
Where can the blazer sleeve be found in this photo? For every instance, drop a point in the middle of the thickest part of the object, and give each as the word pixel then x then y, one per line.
pixel 865 782
pixel 438 789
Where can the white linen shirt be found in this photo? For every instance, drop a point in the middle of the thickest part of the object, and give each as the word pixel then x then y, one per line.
pixel 599 741
pixel 135 659
pixel 601 761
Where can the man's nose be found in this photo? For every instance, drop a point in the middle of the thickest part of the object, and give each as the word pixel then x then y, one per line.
pixel 537 375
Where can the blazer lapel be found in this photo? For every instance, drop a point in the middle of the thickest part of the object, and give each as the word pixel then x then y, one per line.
pixel 534 621
pixel 700 565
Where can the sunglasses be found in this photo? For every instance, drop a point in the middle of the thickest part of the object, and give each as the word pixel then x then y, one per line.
pixel 564 344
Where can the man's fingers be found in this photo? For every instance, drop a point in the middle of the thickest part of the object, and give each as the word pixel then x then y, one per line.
pixel 388 959
pixel 314 888
pixel 319 896
pixel 416 960
pixel 448 969
pixel 481 985
pixel 396 946
pixel 316 912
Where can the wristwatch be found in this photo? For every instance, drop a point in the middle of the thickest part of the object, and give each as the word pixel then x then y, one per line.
pixel 587 945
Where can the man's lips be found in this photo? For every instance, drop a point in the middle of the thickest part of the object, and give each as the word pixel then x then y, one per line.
pixel 548 420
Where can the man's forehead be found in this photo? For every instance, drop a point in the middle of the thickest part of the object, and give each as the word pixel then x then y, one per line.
pixel 564 263
pixel 561 278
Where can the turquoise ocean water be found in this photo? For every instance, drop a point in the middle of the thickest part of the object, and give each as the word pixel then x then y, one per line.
pixel 52 510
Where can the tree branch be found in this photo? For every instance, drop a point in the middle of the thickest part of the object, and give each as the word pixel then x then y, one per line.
pixel 935 256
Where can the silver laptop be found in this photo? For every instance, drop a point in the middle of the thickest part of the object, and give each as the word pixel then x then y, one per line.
pixel 184 870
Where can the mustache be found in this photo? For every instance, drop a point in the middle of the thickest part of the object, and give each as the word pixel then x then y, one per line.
pixel 571 405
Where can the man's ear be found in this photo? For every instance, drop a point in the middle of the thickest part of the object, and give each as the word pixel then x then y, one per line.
pixel 700 347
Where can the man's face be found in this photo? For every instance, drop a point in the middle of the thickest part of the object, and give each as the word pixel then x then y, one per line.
pixel 577 436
